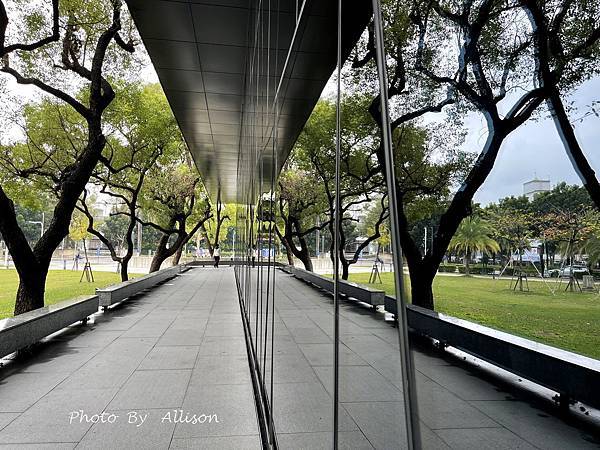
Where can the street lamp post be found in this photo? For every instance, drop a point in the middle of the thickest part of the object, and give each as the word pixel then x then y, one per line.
pixel 41 223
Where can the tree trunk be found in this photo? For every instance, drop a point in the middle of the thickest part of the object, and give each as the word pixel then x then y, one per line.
pixel 303 256
pixel 345 268
pixel 288 252
pixel 421 283
pixel 124 263
pixel 574 151
pixel 208 243
pixel 161 253
pixel 467 261
pixel 177 256
pixel 30 294
pixel 288 249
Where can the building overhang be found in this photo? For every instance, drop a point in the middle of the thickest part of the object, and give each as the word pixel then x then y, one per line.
pixel 237 73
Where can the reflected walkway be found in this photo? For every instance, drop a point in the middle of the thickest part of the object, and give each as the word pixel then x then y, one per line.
pixel 458 407
pixel 181 347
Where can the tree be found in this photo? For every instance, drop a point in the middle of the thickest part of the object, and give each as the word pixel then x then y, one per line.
pixel 514 229
pixel 115 229
pixel 573 230
pixel 562 199
pixel 566 41
pixel 213 230
pixel 473 235
pixel 368 224
pixel 361 181
pixel 144 134
pixel 175 204
pixel 301 210
pixel 91 34
pixel 421 37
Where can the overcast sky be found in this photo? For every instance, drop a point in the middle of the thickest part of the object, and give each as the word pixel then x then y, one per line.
pixel 536 149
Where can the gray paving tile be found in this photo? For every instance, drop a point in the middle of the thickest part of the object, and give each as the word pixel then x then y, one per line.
pixel 369 348
pixel 91 337
pixel 322 355
pixel 103 377
pixel 348 440
pixel 222 443
pixel 389 366
pixel 48 421
pixel 181 337
pixel 225 330
pixel 189 322
pixel 292 369
pixel 60 358
pixel 121 322
pixel 53 446
pixel 425 359
pixel 6 418
pixel 21 390
pixel 305 407
pixel 131 430
pixel 483 438
pixel 153 389
pixel 535 426
pixel 463 383
pixel 359 384
pixel 285 345
pixel 170 357
pixel 231 407
pixel 439 408
pixel 309 335
pixel 221 370
pixel 383 425
pixel 123 353
pixel 155 328
pixel 225 318
pixel 212 345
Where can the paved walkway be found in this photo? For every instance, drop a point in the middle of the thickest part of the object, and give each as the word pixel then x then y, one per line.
pixel 179 350
pixel 458 409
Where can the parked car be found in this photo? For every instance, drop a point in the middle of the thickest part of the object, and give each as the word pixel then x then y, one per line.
pixel 565 272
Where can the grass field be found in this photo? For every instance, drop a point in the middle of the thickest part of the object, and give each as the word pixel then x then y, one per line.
pixel 566 320
pixel 61 285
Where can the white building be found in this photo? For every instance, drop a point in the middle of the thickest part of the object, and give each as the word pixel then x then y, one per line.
pixel 535 186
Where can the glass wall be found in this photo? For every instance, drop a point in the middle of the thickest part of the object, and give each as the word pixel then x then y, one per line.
pixel 328 372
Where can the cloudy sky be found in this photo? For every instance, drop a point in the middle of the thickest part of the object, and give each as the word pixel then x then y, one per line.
pixel 536 150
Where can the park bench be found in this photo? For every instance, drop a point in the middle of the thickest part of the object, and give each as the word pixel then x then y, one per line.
pixel 17 333
pixel 572 376
pixel 373 297
pixel 119 292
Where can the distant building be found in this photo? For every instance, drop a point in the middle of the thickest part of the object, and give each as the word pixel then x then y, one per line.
pixel 535 186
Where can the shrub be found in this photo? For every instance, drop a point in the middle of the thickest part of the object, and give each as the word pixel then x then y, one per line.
pixel 448 268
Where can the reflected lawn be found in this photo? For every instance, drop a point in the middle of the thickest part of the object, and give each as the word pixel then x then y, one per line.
pixel 61 285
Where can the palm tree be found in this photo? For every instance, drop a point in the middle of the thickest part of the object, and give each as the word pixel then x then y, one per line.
pixel 590 247
pixel 473 235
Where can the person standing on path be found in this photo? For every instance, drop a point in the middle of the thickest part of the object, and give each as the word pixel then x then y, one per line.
pixel 217 255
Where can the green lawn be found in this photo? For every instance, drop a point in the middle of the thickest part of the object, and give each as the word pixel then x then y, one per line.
pixel 61 285
pixel 566 320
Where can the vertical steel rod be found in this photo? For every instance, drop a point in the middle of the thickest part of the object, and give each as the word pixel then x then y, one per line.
pixel 336 245
pixel 408 373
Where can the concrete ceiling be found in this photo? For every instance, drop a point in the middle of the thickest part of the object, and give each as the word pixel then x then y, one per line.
pixel 206 54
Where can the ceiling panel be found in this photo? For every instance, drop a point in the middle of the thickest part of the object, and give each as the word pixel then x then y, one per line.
pixel 203 52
